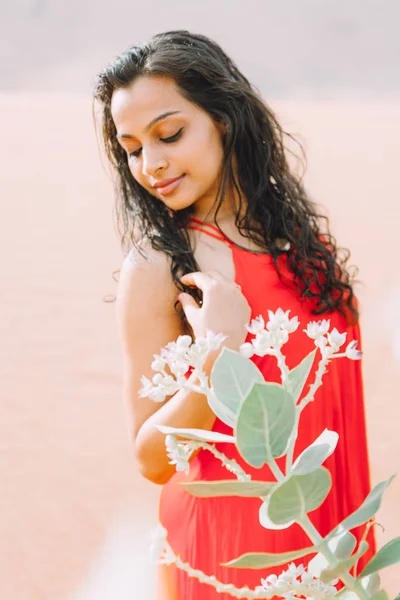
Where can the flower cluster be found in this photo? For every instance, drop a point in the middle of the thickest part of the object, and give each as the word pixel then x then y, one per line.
pixel 160 551
pixel 296 582
pixel 269 337
pixel 178 357
pixel 179 454
pixel 330 342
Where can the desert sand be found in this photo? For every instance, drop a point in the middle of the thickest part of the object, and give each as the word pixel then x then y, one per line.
pixel 75 514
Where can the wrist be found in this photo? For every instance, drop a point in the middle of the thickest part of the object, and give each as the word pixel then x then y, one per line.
pixel 210 360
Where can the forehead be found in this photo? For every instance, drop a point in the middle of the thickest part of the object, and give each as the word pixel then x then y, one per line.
pixel 148 97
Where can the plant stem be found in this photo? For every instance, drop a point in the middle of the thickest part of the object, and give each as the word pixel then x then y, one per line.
pixel 292 443
pixel 279 476
pixel 230 464
pixel 282 367
pixel 314 535
pixel 317 383
pixel 228 588
pixel 300 407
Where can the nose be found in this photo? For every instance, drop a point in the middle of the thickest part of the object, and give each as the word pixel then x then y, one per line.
pixel 152 162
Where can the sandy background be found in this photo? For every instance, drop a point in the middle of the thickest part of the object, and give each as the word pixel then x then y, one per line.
pixel 74 514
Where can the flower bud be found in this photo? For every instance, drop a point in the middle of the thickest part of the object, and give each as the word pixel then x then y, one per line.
pixel 247 350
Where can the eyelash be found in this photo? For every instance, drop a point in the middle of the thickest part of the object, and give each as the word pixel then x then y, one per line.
pixel 169 140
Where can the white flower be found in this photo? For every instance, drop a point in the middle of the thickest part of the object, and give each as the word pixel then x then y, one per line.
pixel 179 367
pixel 278 319
pixel 247 350
pixel 158 363
pixel 292 325
pixel 183 342
pixel 196 352
pixel 170 352
pixel 290 575
pixel 158 379
pixel 256 325
pixel 279 338
pixel 352 352
pixel 157 395
pixel 214 339
pixel 179 454
pixel 170 442
pixel 317 329
pixel 306 577
pixel 261 346
pixel 147 387
pixel 170 385
pixel 336 339
pixel 271 580
pixel 158 539
pixel 155 392
pixel 295 571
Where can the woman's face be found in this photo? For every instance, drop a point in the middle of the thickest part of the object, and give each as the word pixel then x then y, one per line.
pixel 174 148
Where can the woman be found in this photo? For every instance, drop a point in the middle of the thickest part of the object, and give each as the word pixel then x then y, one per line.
pixel 219 231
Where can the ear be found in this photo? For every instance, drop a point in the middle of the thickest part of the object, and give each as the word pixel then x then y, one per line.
pixel 222 128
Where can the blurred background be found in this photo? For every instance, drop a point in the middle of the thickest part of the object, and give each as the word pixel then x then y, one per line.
pixel 75 516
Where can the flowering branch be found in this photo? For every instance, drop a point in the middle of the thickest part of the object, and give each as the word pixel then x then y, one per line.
pixel 181 452
pixel 290 584
pixel 256 445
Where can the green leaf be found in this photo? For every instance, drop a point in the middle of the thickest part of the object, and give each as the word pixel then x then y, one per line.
pixel 299 375
pixel 343 566
pixel 199 435
pixel 262 560
pixel 264 423
pixel 371 583
pixel 366 511
pixel 382 595
pixel 342 546
pixel 388 555
pixel 313 456
pixel 207 489
pixel 291 500
pixel 232 377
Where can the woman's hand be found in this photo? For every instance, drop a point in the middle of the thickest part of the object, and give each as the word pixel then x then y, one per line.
pixel 224 308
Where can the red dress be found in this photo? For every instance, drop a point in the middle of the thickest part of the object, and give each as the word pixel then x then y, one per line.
pixel 206 532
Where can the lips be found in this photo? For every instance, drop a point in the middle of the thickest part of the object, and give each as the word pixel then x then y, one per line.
pixel 166 186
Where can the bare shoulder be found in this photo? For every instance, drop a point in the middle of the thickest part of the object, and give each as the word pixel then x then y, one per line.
pixel 146 276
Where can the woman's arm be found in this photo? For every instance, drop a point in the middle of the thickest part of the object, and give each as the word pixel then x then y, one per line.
pixel 147 322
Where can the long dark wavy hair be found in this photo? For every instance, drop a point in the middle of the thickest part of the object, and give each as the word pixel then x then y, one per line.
pixel 276 204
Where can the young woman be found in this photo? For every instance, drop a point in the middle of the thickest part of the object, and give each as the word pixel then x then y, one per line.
pixel 219 230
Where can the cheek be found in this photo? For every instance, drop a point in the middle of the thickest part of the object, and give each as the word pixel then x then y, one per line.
pixel 204 154
pixel 136 171
pixel 213 157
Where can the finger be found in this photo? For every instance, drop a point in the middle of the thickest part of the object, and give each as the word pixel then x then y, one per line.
pixel 189 304
pixel 217 276
pixel 197 279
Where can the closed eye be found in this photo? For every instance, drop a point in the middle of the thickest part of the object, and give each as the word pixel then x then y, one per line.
pixel 172 138
pixel 167 140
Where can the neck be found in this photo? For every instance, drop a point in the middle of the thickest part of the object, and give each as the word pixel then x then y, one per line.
pixel 226 215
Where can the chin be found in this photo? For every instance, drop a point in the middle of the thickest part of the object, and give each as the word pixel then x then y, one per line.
pixel 177 203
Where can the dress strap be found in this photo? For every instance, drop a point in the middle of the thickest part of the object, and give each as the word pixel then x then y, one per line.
pixel 201 226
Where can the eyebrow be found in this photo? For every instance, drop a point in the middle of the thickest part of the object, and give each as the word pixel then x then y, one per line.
pixel 150 125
